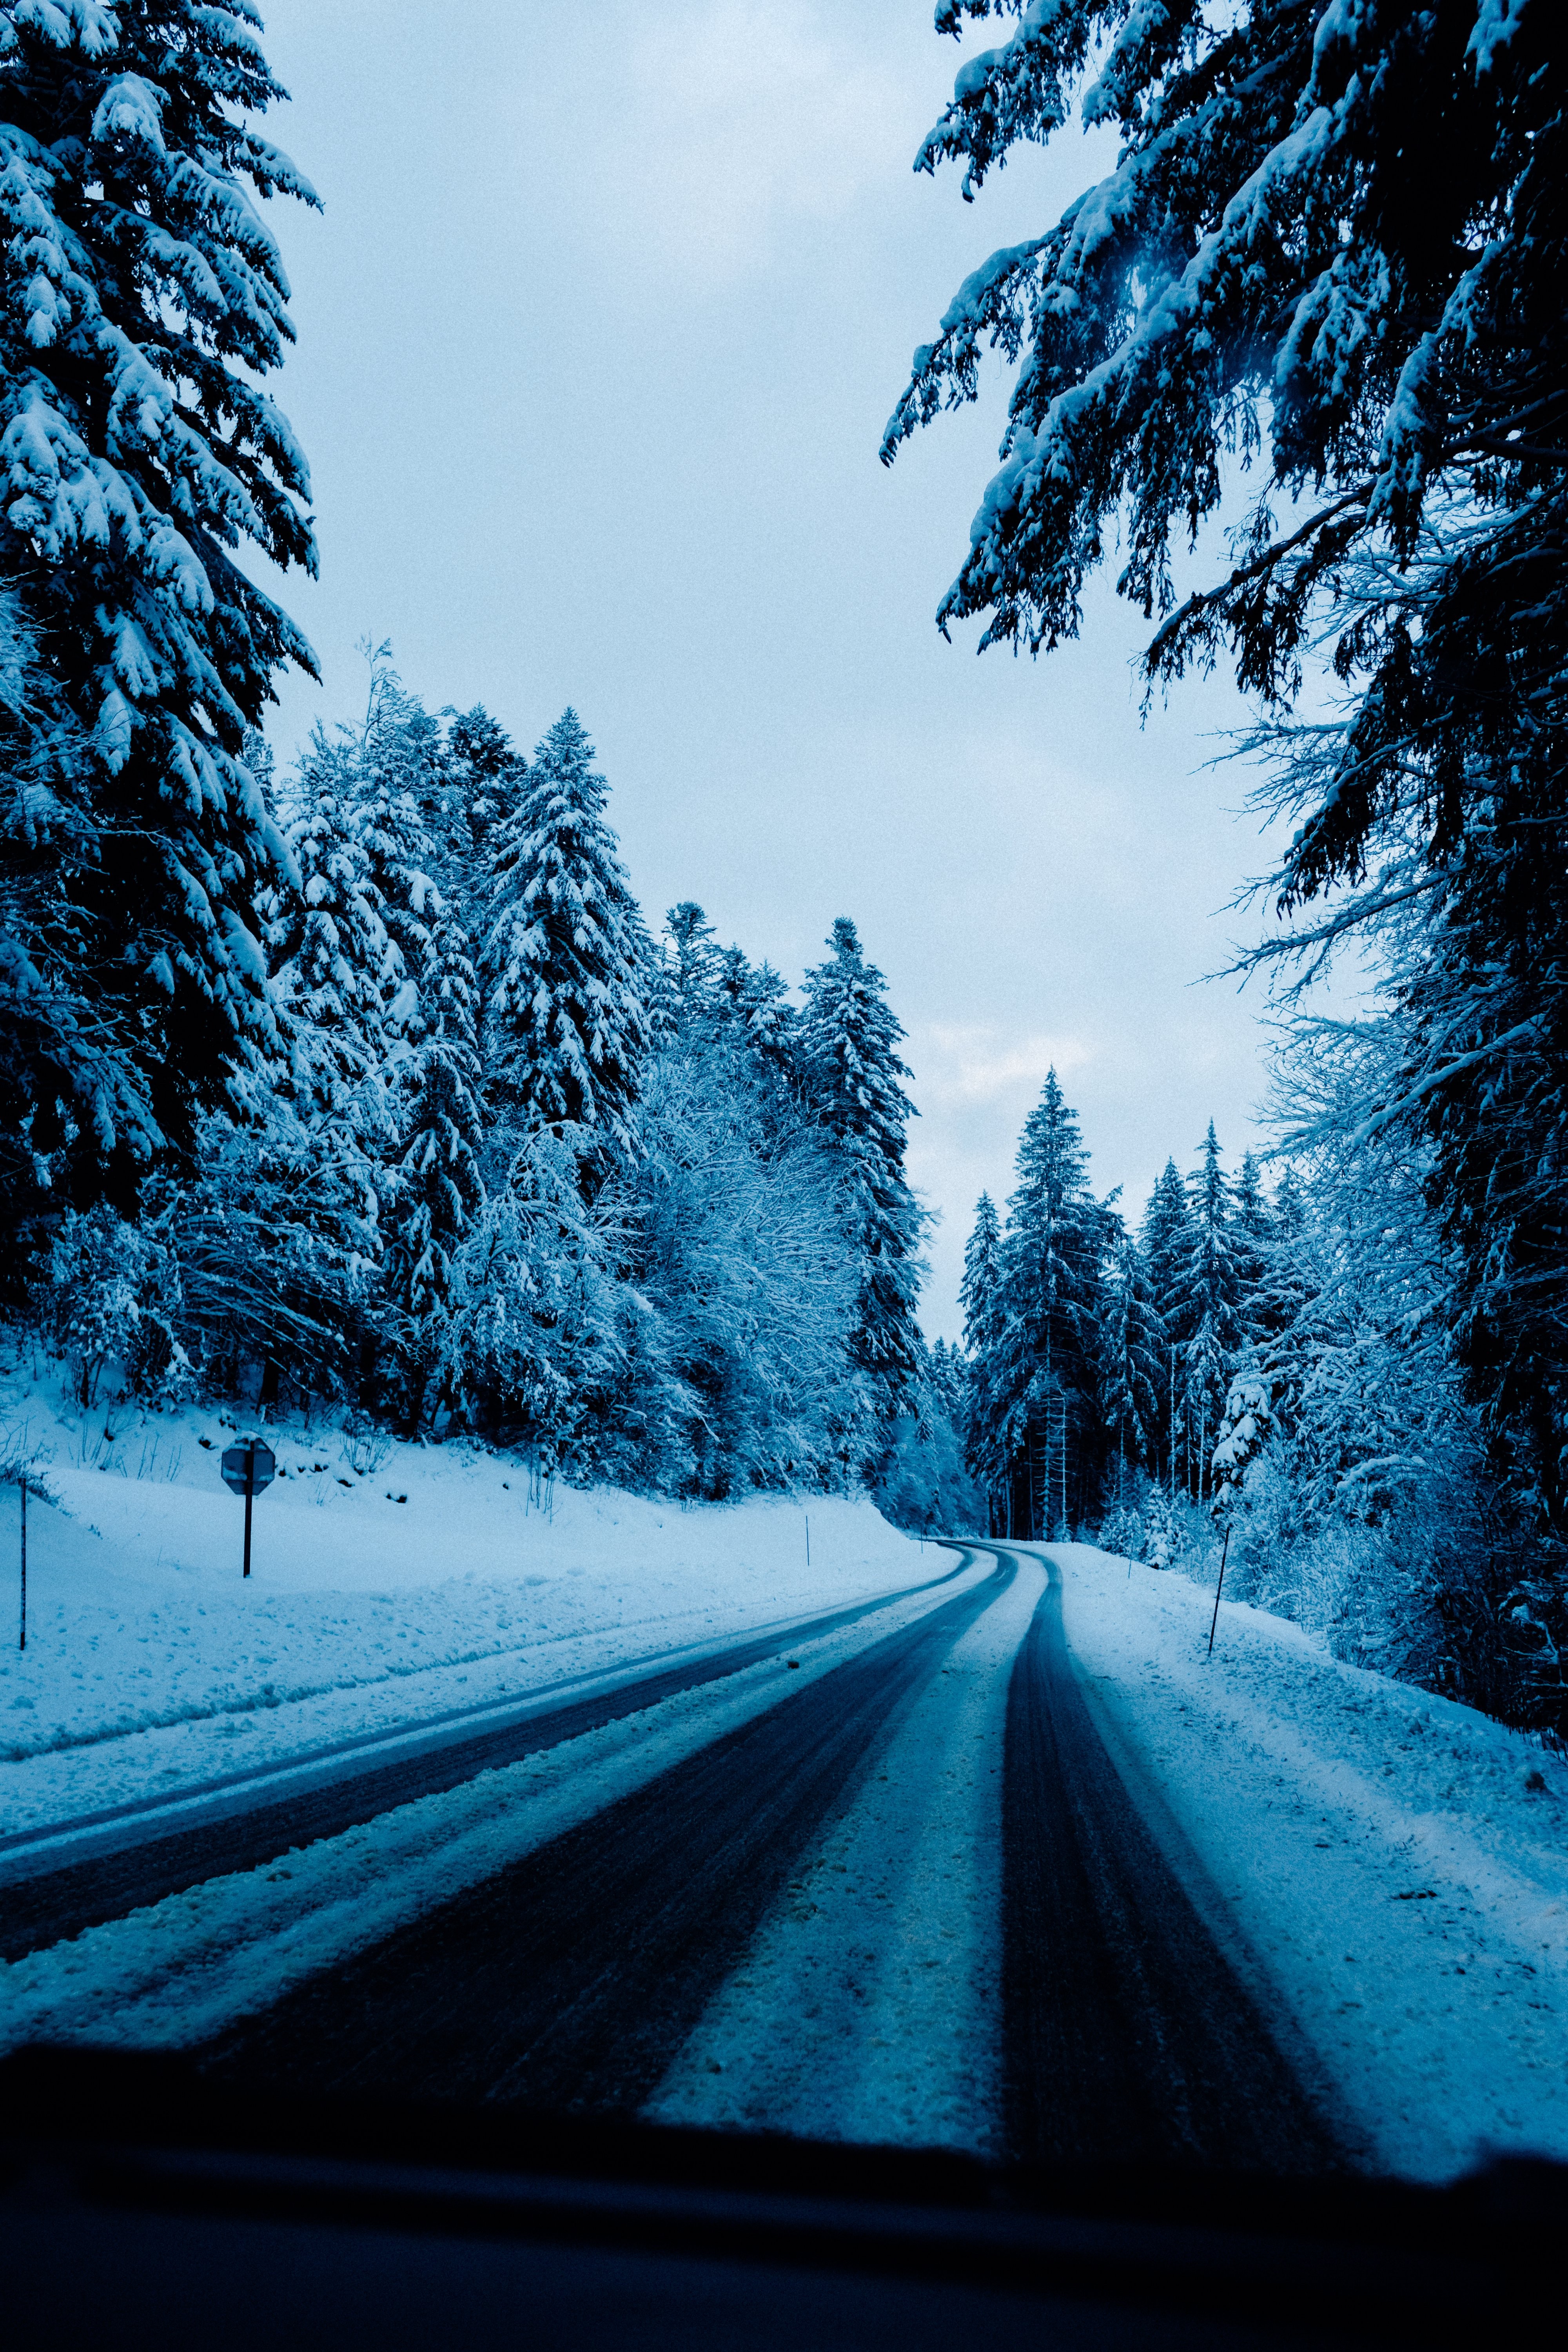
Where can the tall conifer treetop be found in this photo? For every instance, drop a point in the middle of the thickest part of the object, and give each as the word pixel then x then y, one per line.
pixel 565 953
pixel 849 1058
pixel 1056 1235
pixel 143 296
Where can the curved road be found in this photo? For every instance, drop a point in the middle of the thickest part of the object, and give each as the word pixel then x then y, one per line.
pixel 572 1978
pixel 134 1862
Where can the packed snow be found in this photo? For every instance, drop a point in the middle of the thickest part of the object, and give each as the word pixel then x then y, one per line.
pixel 870 2007
pixel 379 1596
pixel 179 1970
pixel 1387 1868
pixel 1391 1866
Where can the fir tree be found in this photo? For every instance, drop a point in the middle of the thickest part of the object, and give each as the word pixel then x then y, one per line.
pixel 1165 1240
pixel 987 1446
pixel 1253 1229
pixel 394 764
pixel 1208 1302
pixel 440 1190
pixel 564 957
pixel 482 773
pixel 145 302
pixel 1209 1281
pixel 1132 1359
pixel 336 967
pixel 851 1071
pixel 692 965
pixel 1056 1235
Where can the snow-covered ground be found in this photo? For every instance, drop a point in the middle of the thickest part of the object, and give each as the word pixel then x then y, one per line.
pixel 376 1598
pixel 1391 1866
pixel 1390 1869
pixel 870 2006
pixel 181 1969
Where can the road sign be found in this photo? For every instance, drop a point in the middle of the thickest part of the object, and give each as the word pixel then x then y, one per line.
pixel 249 1465
pixel 246 1468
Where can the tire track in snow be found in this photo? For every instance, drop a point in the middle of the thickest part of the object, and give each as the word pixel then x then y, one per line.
pixel 1129 2036
pixel 870 2004
pixel 49 1904
pixel 570 1980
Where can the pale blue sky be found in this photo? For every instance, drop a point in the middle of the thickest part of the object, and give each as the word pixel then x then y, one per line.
pixel 598 336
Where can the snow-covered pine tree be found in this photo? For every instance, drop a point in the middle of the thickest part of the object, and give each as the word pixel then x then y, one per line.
pixel 335 966
pixel 440 1189
pixel 772 1021
pixel 143 302
pixel 65 1061
pixel 692 965
pixel 1209 1304
pixel 396 769
pixel 851 1071
pixel 1053 1255
pixel 1165 1238
pixel 987 1446
pixel 1253 1229
pixel 483 772
pixel 1132 1361
pixel 564 958
pixel 1335 236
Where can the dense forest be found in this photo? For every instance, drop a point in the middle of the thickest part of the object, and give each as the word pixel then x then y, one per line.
pixel 369 1082
pixel 1319 304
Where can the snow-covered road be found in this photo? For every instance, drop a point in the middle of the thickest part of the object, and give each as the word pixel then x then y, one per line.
pixel 915 1874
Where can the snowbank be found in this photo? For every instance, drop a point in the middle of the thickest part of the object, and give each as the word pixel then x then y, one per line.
pixel 1391 1867
pixel 377 1597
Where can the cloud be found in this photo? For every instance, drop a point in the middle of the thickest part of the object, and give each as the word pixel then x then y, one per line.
pixel 962 1066
pixel 754 115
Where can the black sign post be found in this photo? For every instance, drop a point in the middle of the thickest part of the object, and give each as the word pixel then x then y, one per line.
pixel 246 1468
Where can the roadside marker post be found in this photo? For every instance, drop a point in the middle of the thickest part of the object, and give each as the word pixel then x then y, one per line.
pixel 23 1642
pixel 249 1468
pixel 1219 1588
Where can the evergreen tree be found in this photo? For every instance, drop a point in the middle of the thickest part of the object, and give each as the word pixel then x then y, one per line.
pixel 850 1066
pixel 1132 1360
pixel 1252 1233
pixel 395 764
pixel 692 965
pixel 1208 1303
pixel 564 958
pixel 482 773
pixel 1166 1242
pixel 145 302
pixel 1053 1254
pixel 69 1067
pixel 336 967
pixel 771 1021
pixel 986 1440
pixel 440 1190
pixel 1210 1280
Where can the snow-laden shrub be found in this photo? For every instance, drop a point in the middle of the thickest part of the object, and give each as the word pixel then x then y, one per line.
pixel 925 1487
pixel 1124 1531
pixel 110 1300
pixel 1162 1531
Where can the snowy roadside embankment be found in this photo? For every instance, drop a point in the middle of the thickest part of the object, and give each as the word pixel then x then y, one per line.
pixel 1396 1864
pixel 376 1598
